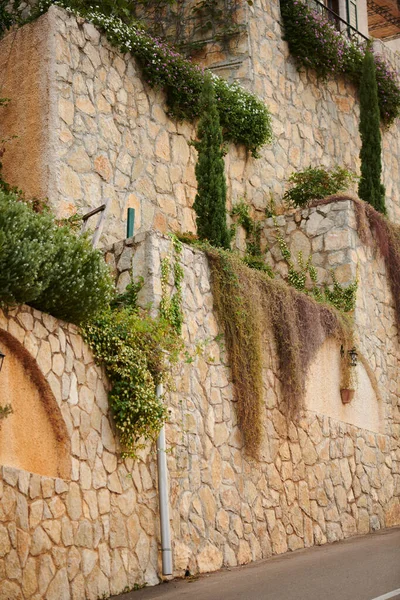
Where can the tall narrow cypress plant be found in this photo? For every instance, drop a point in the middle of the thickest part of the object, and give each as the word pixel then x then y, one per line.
pixel 370 187
pixel 210 201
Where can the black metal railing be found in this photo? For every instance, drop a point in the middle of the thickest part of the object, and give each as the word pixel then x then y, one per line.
pixel 340 24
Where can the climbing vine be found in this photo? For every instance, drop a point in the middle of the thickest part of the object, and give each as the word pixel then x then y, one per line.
pixel 171 305
pixel 137 351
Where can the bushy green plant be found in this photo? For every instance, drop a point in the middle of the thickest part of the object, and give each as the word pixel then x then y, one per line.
pixel 315 184
pixel 316 44
pixel 130 345
pixel 370 187
pixel 137 352
pixel 47 266
pixel 244 118
pixel 210 200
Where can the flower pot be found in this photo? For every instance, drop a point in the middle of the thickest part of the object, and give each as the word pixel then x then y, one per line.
pixel 347 395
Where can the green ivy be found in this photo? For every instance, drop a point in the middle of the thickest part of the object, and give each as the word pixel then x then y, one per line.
pixel 343 298
pixel 254 256
pixel 171 306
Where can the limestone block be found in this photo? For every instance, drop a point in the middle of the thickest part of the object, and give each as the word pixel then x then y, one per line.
pixel 209 558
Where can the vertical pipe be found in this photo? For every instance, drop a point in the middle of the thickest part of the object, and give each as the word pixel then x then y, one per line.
pixel 163 498
pixel 130 224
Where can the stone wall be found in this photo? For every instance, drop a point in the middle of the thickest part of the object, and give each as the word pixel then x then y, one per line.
pixel 109 135
pixel 319 479
pixel 94 533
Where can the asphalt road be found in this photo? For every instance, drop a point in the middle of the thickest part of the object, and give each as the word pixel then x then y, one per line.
pixel 361 568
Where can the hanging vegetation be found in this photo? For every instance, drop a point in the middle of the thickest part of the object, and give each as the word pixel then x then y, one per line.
pixel 370 187
pixel 375 229
pixel 137 352
pixel 251 307
pixel 210 200
pixel 316 44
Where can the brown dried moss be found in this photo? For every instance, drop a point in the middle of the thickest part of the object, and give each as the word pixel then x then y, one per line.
pixel 375 230
pixel 250 307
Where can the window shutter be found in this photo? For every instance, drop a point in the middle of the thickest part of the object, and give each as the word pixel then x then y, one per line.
pixel 352 13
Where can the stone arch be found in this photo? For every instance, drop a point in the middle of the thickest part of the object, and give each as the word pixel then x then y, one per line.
pixel 323 391
pixel 34 437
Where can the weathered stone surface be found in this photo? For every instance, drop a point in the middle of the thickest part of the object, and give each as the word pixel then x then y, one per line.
pixel 209 558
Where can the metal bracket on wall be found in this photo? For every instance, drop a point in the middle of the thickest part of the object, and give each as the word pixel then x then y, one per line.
pixel 102 210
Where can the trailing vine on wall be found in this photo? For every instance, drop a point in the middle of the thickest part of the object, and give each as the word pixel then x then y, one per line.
pixel 251 307
pixel 171 305
pixel 137 351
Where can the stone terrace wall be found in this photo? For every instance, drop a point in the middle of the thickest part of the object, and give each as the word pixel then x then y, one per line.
pixel 329 233
pixel 109 135
pixel 318 479
pixel 91 535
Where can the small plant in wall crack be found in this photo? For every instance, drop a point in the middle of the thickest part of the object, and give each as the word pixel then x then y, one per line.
pixel 171 305
pixel 5 411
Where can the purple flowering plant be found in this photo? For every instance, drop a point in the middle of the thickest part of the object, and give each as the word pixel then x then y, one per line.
pixel 316 44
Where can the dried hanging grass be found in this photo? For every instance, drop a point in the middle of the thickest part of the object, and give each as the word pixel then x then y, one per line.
pixel 386 236
pixel 250 306
pixel 375 230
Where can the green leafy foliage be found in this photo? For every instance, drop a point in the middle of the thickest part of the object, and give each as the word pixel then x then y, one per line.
pixel 210 200
pixel 244 118
pixel 370 186
pixel 315 184
pixel 171 306
pixel 137 352
pixel 343 298
pixel 130 345
pixel 254 257
pixel 5 411
pixel 48 266
pixel 316 44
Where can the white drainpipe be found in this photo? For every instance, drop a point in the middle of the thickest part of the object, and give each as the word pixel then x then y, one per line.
pixel 163 498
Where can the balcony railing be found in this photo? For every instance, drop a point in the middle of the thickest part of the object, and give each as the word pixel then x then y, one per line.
pixel 340 24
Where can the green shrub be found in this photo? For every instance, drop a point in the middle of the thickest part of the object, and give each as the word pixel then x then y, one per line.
pixel 47 266
pixel 210 200
pixel 316 183
pixel 370 187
